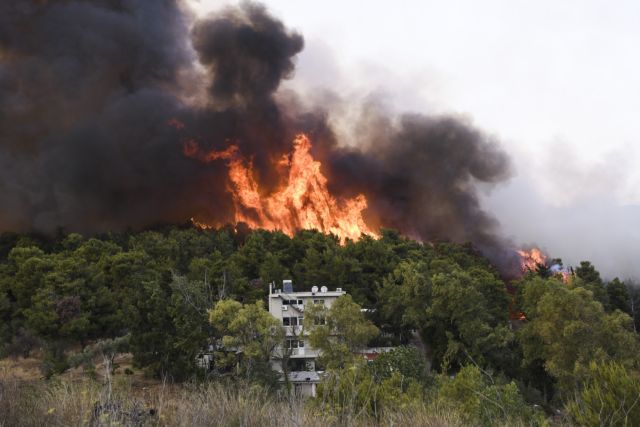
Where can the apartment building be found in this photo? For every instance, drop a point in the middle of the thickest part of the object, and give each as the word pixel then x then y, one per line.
pixel 288 307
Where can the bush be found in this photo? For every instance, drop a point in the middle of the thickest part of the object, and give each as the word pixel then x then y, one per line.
pixel 610 396
pixel 64 403
pixel 408 362
pixel 353 390
pixel 55 361
pixel 484 401
pixel 22 344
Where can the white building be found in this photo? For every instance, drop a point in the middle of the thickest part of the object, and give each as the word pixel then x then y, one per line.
pixel 288 307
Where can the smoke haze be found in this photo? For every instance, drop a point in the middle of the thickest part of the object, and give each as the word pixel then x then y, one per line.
pixel 88 91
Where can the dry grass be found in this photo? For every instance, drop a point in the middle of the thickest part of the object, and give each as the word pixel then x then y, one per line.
pixel 74 399
pixel 19 368
pixel 84 402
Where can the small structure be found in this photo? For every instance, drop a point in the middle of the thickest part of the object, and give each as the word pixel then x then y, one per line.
pixel 300 358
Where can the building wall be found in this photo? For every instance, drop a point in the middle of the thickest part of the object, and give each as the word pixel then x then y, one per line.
pixel 305 389
pixel 296 310
pixel 305 354
pixel 276 301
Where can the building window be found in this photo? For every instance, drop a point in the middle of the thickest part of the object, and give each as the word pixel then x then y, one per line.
pixel 318 301
pixel 292 321
pixel 300 321
pixel 319 321
pixel 294 344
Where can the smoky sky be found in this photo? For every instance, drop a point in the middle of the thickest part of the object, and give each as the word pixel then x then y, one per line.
pixel 88 89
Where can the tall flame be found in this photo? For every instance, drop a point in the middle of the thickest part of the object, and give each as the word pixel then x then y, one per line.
pixel 301 201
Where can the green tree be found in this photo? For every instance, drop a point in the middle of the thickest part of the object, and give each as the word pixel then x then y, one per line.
pixel 272 270
pixel 353 390
pixel 589 278
pixel 567 329
pixel 6 314
pixel 484 401
pixel 168 329
pixel 634 304
pixel 24 274
pixel 365 264
pixel 407 362
pixel 106 350
pixel 619 298
pixel 609 397
pixel 339 331
pixel 404 297
pixel 468 318
pixel 248 329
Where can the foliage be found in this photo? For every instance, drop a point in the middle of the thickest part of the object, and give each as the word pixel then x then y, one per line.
pixel 405 294
pixel 352 390
pixel 460 313
pixel 568 329
pixel 407 362
pixel 394 381
pixel 610 396
pixel 589 278
pixel 618 294
pixel 468 317
pixel 339 331
pixel 248 330
pixel 106 350
pixel 484 401
pixel 64 296
pixel 84 402
pixel 167 329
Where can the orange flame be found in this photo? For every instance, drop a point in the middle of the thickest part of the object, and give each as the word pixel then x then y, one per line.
pixel 302 200
pixel 529 260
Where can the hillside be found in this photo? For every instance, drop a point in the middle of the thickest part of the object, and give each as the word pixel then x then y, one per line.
pixel 121 318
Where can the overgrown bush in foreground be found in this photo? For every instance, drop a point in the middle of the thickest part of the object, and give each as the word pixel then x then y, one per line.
pixel 87 403
pixel 611 396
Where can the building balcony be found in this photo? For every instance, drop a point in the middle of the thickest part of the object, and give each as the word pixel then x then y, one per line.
pixel 294 331
pixel 303 352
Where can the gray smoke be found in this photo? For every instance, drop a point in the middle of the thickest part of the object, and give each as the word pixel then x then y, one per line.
pixel 87 89
pixel 421 175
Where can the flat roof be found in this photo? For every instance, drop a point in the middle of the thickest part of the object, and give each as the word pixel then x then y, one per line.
pixel 307 294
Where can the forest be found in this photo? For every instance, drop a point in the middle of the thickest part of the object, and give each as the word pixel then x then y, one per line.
pixel 471 348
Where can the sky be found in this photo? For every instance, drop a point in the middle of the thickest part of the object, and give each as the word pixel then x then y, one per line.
pixel 558 83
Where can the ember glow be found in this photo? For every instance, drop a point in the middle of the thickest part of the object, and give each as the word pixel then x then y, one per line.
pixel 301 201
pixel 529 260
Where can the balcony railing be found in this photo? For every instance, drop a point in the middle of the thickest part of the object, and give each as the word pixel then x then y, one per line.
pixel 298 351
pixel 303 352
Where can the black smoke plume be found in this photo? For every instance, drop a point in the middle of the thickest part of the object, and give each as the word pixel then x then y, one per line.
pixel 88 89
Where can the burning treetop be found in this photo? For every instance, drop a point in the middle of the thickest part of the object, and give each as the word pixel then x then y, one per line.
pixel 104 158
pixel 302 200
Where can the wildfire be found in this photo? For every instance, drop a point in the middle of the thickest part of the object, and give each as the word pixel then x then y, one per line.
pixel 529 260
pixel 301 201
